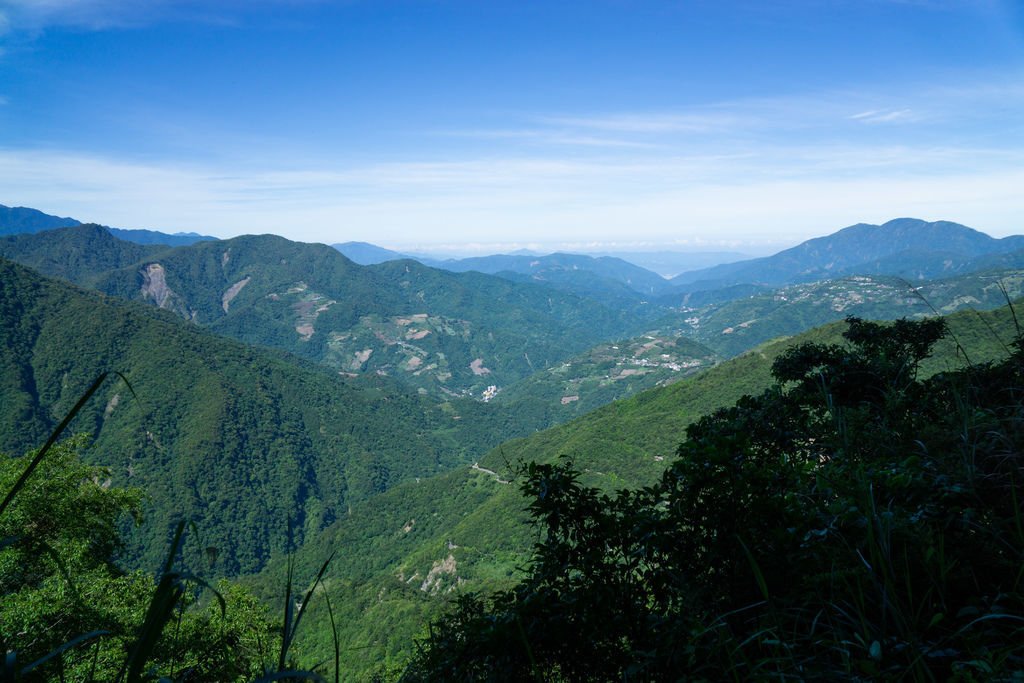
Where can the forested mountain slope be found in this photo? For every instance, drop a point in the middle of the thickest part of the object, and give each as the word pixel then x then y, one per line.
pixel 907 247
pixel 80 254
pixel 446 333
pixel 258 448
pixel 732 327
pixel 606 373
pixel 854 521
pixel 409 550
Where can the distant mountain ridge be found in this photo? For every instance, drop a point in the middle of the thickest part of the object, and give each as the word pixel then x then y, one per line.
pixel 77 253
pixel 906 247
pixel 559 267
pixel 177 239
pixel 576 273
pixel 366 254
pixel 668 264
pixel 21 220
pixel 446 333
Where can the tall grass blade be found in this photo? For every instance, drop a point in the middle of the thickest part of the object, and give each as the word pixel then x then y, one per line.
pixel 334 634
pixel 291 676
pixel 758 575
pixel 1009 304
pixel 302 608
pixel 54 435
pixel 70 645
pixel 534 669
pixel 286 625
pixel 167 595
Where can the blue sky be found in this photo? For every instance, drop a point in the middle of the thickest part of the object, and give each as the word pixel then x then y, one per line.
pixel 490 124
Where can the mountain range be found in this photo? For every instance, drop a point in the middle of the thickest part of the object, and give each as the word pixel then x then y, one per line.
pixel 257 447
pixel 905 247
pixel 286 398
pixel 446 333
pixel 557 269
pixel 613 278
pixel 20 220
pixel 665 263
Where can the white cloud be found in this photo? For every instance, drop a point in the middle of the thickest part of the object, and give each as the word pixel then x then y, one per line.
pixel 750 199
pixel 92 14
pixel 694 122
pixel 34 15
pixel 770 169
pixel 538 136
pixel 987 103
pixel 875 116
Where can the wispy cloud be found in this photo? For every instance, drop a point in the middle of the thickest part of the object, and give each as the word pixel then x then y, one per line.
pixel 97 15
pixel 785 193
pixel 783 168
pixel 826 115
pixel 875 116
pixel 91 14
pixel 539 136
pixel 654 123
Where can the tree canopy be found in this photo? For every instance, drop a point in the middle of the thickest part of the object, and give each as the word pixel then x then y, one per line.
pixel 853 521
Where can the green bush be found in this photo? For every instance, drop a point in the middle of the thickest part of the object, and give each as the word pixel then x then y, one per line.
pixel 851 522
pixel 59 583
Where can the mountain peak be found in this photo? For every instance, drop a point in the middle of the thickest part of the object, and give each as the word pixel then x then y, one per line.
pixel 863 249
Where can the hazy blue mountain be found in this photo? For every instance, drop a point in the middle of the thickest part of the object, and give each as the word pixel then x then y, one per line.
pixel 605 278
pixel 366 254
pixel 562 268
pixel 19 219
pixel 906 247
pixel 668 264
pixel 177 239
pixel 590 285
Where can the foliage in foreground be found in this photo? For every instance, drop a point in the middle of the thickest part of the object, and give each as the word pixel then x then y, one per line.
pixel 69 613
pixel 851 522
pixel 59 584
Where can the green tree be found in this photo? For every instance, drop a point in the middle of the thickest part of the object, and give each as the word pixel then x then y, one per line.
pixel 852 521
pixel 59 582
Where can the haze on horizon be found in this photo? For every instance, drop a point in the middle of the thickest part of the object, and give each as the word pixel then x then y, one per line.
pixel 419 125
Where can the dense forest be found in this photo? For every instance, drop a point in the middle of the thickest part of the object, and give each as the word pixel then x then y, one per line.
pixel 852 521
pixel 219 509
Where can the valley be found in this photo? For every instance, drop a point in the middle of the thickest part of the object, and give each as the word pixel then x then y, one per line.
pixel 290 402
